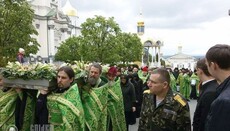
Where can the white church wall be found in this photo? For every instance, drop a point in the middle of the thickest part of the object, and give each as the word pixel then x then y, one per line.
pixel 42 38
pixel 50 39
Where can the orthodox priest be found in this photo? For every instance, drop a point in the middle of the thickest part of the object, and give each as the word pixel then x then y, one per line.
pixel 61 109
pixel 94 98
pixel 16 107
pixel 116 116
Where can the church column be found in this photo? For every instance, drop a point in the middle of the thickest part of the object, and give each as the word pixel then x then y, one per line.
pixel 69 33
pixel 159 44
pixel 159 57
pixel 155 62
pixel 74 25
pixel 51 43
pixel 152 64
pixel 65 33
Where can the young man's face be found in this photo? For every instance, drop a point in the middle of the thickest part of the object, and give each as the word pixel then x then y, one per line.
pixel 199 72
pixel 63 80
pixel 210 67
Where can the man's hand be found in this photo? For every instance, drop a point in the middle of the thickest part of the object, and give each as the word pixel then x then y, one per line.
pixel 18 90
pixel 44 91
pixel 134 109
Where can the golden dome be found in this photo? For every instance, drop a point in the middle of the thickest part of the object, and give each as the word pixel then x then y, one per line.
pixel 69 10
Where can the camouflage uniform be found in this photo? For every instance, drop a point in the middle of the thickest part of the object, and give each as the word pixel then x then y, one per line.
pixel 172 114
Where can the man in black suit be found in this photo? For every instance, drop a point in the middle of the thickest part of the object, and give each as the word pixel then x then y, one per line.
pixel 206 96
pixel 218 63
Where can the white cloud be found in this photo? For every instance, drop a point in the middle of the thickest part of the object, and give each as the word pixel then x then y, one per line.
pixel 195 24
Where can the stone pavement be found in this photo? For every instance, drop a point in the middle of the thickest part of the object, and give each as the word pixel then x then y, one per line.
pixel 192 105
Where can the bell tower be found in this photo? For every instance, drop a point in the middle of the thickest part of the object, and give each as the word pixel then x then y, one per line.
pixel 140 25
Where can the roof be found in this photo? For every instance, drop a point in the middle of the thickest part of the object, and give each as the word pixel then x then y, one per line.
pixel 181 56
pixel 69 10
pixel 52 12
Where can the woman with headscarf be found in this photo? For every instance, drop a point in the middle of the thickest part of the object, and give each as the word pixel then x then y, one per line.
pixel 129 98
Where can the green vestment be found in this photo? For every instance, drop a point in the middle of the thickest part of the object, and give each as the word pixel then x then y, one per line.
pixel 94 101
pixel 196 78
pixel 186 86
pixel 142 77
pixel 28 118
pixel 7 109
pixel 184 81
pixel 66 111
pixel 173 82
pixel 179 81
pixel 116 107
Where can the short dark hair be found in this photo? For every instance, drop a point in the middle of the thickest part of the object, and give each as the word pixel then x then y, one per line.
pixel 201 65
pixel 68 70
pixel 96 65
pixel 219 54
pixel 164 74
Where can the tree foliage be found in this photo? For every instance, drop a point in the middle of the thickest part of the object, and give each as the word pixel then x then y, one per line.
pixel 16 29
pixel 70 50
pixel 101 41
pixel 130 47
pixel 99 36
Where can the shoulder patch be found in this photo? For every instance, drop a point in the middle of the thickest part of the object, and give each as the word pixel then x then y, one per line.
pixel 147 92
pixel 179 99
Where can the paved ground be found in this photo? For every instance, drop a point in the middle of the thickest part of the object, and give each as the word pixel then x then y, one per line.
pixel 192 105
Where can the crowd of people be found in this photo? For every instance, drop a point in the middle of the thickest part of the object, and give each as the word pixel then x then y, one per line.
pixel 112 101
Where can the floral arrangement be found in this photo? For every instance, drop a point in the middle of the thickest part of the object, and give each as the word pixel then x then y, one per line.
pixel 15 70
pixel 79 68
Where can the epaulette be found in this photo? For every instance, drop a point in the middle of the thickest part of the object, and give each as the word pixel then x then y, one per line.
pixel 179 99
pixel 147 92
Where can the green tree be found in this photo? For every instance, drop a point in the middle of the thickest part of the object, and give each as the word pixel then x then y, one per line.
pixel 130 47
pixel 70 50
pixel 99 38
pixel 16 30
pixel 101 41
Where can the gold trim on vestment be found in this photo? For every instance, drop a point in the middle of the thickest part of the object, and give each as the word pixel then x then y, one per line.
pixel 115 118
pixel 66 122
pixel 66 103
pixel 91 114
pixel 8 94
pixel 113 94
pixel 94 95
pixel 6 119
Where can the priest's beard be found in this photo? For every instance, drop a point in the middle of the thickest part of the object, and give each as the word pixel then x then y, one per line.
pixel 92 81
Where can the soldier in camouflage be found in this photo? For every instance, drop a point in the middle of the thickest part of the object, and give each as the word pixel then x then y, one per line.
pixel 162 109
